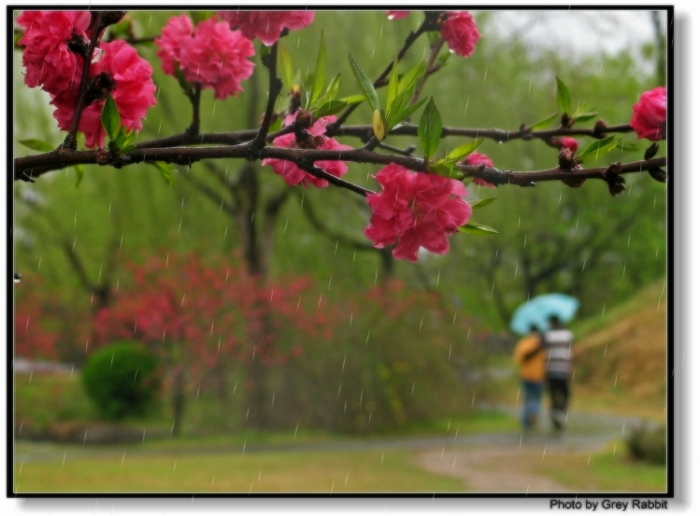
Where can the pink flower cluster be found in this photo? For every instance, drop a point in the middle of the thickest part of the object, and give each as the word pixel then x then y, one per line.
pixel 649 115
pixel 266 25
pixel 117 70
pixel 292 174
pixel 132 89
pixel 476 159
pixel 46 56
pixel 211 54
pixel 416 210
pixel 459 30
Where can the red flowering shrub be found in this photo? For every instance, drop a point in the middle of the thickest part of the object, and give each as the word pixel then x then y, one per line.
pixel 266 25
pixel 210 54
pixel 649 115
pixel 203 312
pixel 291 173
pixel 414 210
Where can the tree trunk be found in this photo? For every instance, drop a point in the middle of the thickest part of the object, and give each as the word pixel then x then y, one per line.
pixel 178 399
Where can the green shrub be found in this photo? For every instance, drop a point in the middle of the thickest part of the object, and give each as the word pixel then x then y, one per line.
pixel 648 443
pixel 122 379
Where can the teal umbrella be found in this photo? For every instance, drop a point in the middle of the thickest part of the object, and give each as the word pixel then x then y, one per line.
pixel 538 310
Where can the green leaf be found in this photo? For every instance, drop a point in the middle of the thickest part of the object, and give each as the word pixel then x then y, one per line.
pixel 366 84
pixel 393 88
pixel 408 81
pixel 127 148
pixel 333 87
pixel 353 99
pixel 396 118
pixel 473 228
pixel 430 128
pixel 482 203
pixel 38 145
pixel 319 73
pixel 627 147
pixel 165 171
pixel 597 149
pixel 444 57
pixel 445 168
pixel 80 172
pixel 287 68
pixel 330 108
pixel 544 122
pixel 584 117
pixel 464 150
pixel 563 97
pixel 110 118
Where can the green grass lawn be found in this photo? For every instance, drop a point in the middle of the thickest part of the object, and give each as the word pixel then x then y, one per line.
pixel 298 471
pixel 609 471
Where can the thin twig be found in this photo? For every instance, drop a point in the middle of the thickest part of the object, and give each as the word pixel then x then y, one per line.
pixel 274 88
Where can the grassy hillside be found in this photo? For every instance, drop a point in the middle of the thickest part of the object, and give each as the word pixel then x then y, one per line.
pixel 620 360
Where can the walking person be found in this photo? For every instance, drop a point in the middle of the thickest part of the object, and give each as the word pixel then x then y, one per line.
pixel 557 342
pixel 529 354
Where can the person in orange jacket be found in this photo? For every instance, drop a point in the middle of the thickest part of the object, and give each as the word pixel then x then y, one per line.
pixel 530 355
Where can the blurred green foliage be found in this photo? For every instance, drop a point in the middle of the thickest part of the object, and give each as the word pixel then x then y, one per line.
pixel 122 379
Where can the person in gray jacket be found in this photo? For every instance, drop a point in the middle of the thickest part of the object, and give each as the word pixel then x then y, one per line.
pixel 557 342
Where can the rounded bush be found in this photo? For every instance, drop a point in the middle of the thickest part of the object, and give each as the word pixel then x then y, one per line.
pixel 122 379
pixel 648 443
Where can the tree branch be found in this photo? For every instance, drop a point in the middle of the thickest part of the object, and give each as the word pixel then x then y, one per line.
pixel 274 88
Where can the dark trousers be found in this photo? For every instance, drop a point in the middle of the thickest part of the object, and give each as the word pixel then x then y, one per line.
pixel 559 396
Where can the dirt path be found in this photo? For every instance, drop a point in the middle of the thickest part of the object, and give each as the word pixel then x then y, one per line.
pixel 505 465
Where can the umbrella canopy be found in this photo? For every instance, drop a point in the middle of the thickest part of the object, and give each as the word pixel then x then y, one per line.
pixel 539 309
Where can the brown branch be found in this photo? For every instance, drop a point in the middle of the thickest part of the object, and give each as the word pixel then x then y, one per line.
pixel 274 88
pixel 37 165
pixel 600 131
pixel 363 132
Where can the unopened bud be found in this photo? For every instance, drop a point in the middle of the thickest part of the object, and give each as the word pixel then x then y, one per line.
pixel 651 151
pixel 566 159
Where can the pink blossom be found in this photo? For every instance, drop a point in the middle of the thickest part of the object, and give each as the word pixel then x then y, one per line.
pixel 89 124
pixel 568 142
pixel 131 87
pixel 649 115
pixel 266 25
pixel 46 56
pixel 176 33
pixel 417 210
pixel 212 55
pixel 460 32
pixel 475 159
pixel 291 173
pixel 397 15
